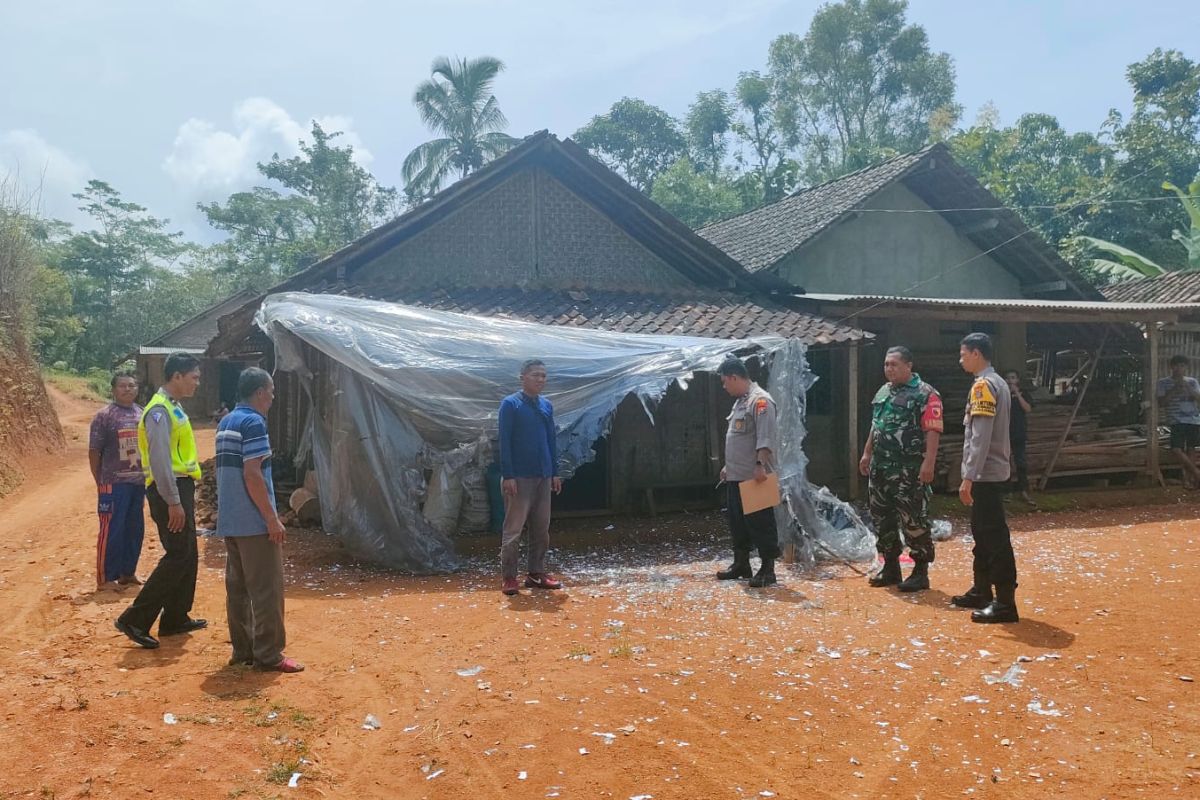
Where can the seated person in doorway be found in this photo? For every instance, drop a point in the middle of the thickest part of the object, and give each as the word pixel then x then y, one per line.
pixel 1179 401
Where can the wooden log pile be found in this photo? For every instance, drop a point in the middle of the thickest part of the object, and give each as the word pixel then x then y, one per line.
pixel 1090 447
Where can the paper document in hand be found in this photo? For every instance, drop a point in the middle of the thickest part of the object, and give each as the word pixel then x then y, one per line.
pixel 757 496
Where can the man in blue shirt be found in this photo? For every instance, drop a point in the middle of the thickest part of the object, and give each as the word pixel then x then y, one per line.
pixel 1179 396
pixel 529 466
pixel 253 533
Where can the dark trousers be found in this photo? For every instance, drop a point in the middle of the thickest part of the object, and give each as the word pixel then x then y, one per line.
pixel 171 587
pixel 254 599
pixel 750 531
pixel 993 545
pixel 1022 464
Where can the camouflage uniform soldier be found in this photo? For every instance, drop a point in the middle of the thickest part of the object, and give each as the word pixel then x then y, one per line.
pixel 899 458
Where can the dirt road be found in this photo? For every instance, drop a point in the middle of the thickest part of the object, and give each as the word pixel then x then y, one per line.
pixel 644 678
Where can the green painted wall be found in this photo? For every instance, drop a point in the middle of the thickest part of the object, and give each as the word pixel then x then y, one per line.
pixel 879 253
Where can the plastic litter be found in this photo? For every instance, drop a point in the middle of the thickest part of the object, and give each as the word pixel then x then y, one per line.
pixel 1011 676
pixel 371 723
pixel 169 719
pixel 469 672
pixel 433 775
pixel 294 781
pixel 1046 711
pixel 941 529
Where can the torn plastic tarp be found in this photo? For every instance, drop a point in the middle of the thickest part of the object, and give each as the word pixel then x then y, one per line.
pixel 416 389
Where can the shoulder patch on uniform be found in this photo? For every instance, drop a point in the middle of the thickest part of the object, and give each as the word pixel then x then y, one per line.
pixel 982 402
pixel 156 415
pixel 760 406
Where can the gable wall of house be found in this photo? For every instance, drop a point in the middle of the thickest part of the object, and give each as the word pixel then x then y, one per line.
pixel 880 253
pixel 530 230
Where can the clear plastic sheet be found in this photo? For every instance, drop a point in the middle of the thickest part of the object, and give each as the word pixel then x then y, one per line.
pixel 418 389
pixel 816 521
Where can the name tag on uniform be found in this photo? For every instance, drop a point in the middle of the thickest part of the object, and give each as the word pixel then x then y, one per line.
pixel 739 424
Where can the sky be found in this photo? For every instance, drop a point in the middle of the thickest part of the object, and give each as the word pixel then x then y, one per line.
pixel 174 103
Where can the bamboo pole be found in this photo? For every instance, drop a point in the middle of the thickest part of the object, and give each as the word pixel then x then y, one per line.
pixel 1150 395
pixel 1091 370
pixel 852 417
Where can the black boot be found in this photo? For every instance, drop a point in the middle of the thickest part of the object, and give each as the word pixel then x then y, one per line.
pixel 740 568
pixel 1002 609
pixel 979 595
pixel 766 574
pixel 890 574
pixel 918 580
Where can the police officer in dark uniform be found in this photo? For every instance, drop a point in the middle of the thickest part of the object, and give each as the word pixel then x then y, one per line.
pixel 899 458
pixel 751 442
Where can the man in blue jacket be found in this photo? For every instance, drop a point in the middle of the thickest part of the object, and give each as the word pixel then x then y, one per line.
pixel 529 468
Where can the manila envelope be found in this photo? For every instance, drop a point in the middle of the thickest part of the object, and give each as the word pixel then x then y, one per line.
pixel 757 496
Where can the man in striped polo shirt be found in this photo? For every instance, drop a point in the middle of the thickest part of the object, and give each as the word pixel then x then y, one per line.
pixel 253 533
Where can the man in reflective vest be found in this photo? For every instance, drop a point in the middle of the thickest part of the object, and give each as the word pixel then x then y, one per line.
pixel 168 451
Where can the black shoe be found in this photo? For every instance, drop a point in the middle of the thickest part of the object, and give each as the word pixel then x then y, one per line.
pixel 889 575
pixel 919 579
pixel 187 627
pixel 136 635
pixel 972 598
pixel 996 611
pixel 765 576
pixel 740 568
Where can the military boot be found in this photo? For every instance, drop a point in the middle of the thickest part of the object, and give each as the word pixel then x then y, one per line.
pixel 918 580
pixel 889 575
pixel 766 574
pixel 740 568
pixel 1002 609
pixel 979 595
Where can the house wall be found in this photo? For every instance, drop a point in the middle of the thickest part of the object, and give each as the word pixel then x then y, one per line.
pixel 200 406
pixel 879 253
pixel 531 229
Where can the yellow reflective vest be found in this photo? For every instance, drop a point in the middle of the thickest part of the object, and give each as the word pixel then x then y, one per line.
pixel 184 463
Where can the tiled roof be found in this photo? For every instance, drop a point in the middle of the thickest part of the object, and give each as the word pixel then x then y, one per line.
pixel 200 329
pixel 719 315
pixel 759 238
pixel 1174 287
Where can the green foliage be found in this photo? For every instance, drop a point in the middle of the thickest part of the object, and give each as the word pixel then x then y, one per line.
pixel 1038 168
pixel 56 326
pixel 1127 263
pixel 1191 204
pixel 859 86
pixel 773 173
pixel 121 255
pixel 636 139
pixel 327 202
pixel 1160 141
pixel 457 104
pixel 697 197
pixel 709 121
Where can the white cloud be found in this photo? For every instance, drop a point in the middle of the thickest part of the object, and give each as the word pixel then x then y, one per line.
pixel 207 160
pixel 46 171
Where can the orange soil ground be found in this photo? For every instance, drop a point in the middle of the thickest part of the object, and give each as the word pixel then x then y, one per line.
pixel 644 678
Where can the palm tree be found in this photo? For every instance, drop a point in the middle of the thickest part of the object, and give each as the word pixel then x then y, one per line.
pixel 457 103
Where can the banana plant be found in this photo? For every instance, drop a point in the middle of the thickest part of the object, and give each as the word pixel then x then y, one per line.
pixel 1121 263
pixel 1191 239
